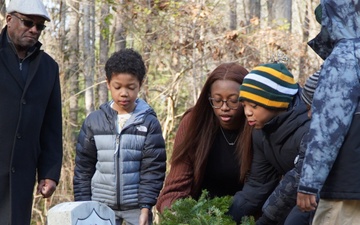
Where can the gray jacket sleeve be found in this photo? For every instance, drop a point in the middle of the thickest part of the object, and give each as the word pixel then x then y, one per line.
pixel 153 165
pixel 85 162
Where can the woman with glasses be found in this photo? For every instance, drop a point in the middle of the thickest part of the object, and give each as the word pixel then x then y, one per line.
pixel 212 144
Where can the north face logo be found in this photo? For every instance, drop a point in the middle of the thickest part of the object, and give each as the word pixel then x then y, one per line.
pixel 141 128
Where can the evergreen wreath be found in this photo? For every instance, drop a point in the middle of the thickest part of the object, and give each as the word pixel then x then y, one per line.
pixel 205 211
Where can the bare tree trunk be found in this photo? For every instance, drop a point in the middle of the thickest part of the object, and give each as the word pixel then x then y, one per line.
pixel 168 124
pixel 150 37
pixel 254 8
pixel 69 16
pixel 306 27
pixel 280 12
pixel 104 52
pixel 2 13
pixel 120 37
pixel 72 68
pixel 197 70
pixel 233 14
pixel 89 59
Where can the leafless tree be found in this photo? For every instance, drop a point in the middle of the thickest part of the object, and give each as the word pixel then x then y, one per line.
pixel 88 49
pixel 2 13
pixel 103 51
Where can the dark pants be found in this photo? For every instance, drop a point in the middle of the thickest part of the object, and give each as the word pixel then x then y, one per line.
pixel 296 217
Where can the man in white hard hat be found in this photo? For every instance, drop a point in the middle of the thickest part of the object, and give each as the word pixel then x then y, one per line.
pixel 30 113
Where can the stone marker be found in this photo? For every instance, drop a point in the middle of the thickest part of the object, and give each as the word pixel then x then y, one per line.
pixel 81 213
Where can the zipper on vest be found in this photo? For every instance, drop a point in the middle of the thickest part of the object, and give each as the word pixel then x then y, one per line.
pixel 117 172
pixel 117 144
pixel 20 66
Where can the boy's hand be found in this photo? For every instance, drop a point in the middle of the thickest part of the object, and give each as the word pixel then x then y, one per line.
pixel 306 202
pixel 144 216
pixel 46 187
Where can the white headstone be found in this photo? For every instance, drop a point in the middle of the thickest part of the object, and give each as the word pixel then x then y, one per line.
pixel 81 213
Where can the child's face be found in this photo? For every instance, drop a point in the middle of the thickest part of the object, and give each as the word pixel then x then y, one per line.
pixel 257 115
pixel 124 90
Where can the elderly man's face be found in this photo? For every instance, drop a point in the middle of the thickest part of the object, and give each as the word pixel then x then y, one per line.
pixel 22 32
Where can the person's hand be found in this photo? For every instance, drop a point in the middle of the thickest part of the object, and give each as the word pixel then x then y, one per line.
pixel 46 187
pixel 144 217
pixel 306 202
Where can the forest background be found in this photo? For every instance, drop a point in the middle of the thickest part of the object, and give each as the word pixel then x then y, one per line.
pixel 181 41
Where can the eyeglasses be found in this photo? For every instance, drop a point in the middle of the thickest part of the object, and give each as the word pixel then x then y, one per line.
pixel 30 23
pixel 217 103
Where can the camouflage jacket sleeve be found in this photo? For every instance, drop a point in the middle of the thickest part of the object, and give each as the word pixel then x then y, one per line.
pixel 336 96
pixel 283 198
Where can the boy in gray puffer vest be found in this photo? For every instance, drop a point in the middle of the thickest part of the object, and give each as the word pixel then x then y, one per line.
pixel 120 153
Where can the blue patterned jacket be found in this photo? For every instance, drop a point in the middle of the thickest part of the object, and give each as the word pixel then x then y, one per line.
pixel 331 152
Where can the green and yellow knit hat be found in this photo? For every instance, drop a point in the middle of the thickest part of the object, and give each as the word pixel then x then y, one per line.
pixel 269 85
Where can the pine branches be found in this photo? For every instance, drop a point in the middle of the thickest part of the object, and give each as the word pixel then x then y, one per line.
pixel 205 211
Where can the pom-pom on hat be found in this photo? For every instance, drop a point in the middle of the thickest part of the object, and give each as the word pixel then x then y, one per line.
pixel 269 85
pixel 309 88
pixel 28 7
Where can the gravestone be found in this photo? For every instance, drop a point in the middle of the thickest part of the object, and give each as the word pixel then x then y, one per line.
pixel 81 213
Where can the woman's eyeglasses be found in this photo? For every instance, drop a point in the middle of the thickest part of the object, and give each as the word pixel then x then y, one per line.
pixel 30 23
pixel 217 103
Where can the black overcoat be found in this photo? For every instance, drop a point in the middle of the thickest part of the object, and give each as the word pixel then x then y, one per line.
pixel 30 130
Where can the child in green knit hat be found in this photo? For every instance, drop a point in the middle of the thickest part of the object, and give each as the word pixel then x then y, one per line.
pixel 271 100
pixel 270 86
